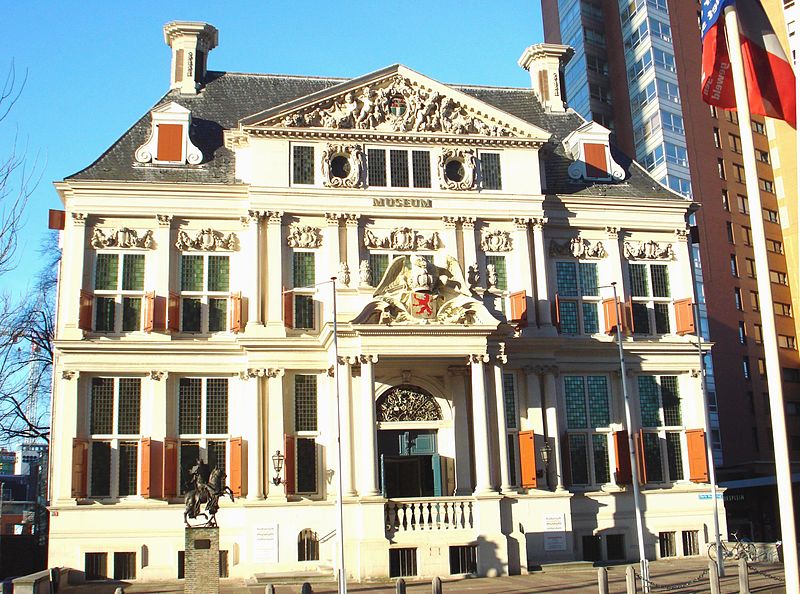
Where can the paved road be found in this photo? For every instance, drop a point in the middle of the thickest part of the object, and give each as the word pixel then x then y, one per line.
pixel 573 581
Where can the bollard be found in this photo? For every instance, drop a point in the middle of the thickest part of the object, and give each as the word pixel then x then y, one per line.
pixel 306 589
pixel 270 589
pixel 436 586
pixel 630 580
pixel 713 577
pixel 400 586
pixel 602 580
pixel 119 591
pixel 744 578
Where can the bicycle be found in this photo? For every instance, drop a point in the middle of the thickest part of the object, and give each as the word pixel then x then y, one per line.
pixel 741 549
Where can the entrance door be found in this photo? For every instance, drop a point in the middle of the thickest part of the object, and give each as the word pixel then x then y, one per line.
pixel 410 466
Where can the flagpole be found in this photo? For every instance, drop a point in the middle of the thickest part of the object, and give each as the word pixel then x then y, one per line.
pixel 782 466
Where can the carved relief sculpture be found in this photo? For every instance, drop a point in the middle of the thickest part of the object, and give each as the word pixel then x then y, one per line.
pixel 304 236
pixel 344 166
pixel 648 250
pixel 401 239
pixel 207 240
pixel 122 238
pixel 343 276
pixel 458 169
pixel 407 403
pixel 495 240
pixel 578 248
pixel 364 273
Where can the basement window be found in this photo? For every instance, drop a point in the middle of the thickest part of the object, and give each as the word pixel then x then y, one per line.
pixel 402 562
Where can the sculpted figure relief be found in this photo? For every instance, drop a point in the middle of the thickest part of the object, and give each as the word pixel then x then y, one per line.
pixel 344 166
pixel 401 239
pixel 304 236
pixel 122 238
pixel 578 248
pixel 495 240
pixel 458 169
pixel 207 240
pixel 648 250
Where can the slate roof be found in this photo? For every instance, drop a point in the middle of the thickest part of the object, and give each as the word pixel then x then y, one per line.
pixel 228 97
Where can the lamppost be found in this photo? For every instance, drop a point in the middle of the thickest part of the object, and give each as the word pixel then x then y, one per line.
pixel 277 466
pixel 545 451
pixel 645 569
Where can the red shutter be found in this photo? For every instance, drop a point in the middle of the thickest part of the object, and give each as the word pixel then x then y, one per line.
pixel 595 158
pixel 527 459
pixel 556 313
pixel 698 461
pixel 566 467
pixel 174 313
pixel 610 315
pixel 289 464
pixel 146 474
pixel 236 312
pixel 170 477
pixel 235 478
pixel 684 316
pixel 56 219
pixel 519 307
pixel 640 458
pixel 622 458
pixel 170 142
pixel 159 314
pixel 288 308
pixel 80 462
pixel 85 310
pixel 149 311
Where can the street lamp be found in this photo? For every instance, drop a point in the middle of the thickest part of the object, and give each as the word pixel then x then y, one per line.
pixel 545 451
pixel 277 465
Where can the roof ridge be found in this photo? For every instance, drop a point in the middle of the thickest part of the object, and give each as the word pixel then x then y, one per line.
pixel 274 75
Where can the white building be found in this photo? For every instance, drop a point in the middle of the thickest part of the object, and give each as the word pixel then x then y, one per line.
pixel 474 233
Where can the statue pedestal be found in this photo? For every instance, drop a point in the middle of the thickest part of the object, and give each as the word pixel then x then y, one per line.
pixel 201 561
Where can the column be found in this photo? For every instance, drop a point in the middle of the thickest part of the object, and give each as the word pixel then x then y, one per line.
pixel 535 421
pixel 254 248
pixel 449 237
pixel 75 253
pixel 160 280
pixel 480 424
pixel 502 434
pixel 272 384
pixel 468 239
pixel 274 269
pixel 456 385
pixel 353 247
pixel 613 272
pixel 368 474
pixel 683 261
pixel 65 428
pixel 345 424
pixel 330 242
pixel 553 426
pixel 521 262
pixel 540 262
pixel 252 415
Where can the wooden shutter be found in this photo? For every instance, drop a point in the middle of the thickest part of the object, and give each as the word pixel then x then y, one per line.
pixel 595 158
pixel 627 317
pixel 288 309
pixel 566 467
pixel 610 315
pixel 235 478
pixel 640 458
pixel 86 310
pixel 527 459
pixel 684 316
pixel 622 458
pixel 146 474
pixel 149 311
pixel 698 461
pixel 236 312
pixel 56 219
pixel 519 307
pixel 159 313
pixel 289 464
pixel 170 476
pixel 80 470
pixel 174 313
pixel 170 142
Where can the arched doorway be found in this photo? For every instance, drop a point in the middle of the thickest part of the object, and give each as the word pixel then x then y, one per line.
pixel 410 464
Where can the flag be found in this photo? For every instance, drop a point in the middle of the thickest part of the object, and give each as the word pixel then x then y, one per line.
pixel 768 73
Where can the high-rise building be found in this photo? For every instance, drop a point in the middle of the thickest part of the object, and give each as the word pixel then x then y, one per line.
pixel 636 70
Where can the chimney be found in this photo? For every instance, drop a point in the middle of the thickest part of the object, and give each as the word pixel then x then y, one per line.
pixel 544 62
pixel 190 43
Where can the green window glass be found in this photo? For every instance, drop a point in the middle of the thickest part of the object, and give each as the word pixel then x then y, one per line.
pixel 652 458
pixel 600 453
pixel 216 405
pixel 131 314
pixel 128 468
pixel 303 274
pixel 568 317
pixel 421 166
pixel 670 400
pixel 566 279
pixel 499 263
pixel 378 263
pixel 591 323
pixel 101 469
pixel 599 413
pixel 218 273
pixel 648 401
pixel 674 456
pixel 638 278
pixel 305 403
pixel 510 401
pixel 662 318
pixel 641 318
pixel 191 273
pixel 398 163
pixel 101 420
pixel 303 165
pixel 588 272
pixel 105 314
pixel 578 458
pixel 575 400
pixel 376 167
pixel 191 314
pixel 303 311
pixel 490 171
pixel 217 315
pixel 133 272
pixel 190 391
pixel 660 278
pixel 129 405
pixel 106 270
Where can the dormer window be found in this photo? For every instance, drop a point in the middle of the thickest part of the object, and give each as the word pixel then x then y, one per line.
pixel 590 148
pixel 169 142
pixel 594 155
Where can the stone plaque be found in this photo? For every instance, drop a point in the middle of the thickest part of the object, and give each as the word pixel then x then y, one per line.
pixel 265 543
pixel 555 532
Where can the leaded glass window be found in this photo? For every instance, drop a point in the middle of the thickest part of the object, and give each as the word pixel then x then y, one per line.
pixel 303 164
pixel 652 458
pixel 305 402
pixel 578 297
pixel 303 269
pixel 102 405
pixel 509 401
pixel 205 286
pixel 119 288
pixel 674 456
pixel 490 171
pixel 128 467
pixel 376 167
pixel 578 458
pixel 602 473
pixel 378 264
pixel 588 414
pixel 421 168
pixel 398 165
pixel 649 401
pixel 499 263
pixel 650 291
pixel 660 408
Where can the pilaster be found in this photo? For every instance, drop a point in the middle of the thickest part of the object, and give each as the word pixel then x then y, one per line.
pixel 353 246
pixel 449 236
pixel 274 256
pixel 75 253
pixel 502 434
pixel 540 262
pixel 65 410
pixel 272 384
pixel 367 471
pixel 521 261
pixel 480 424
pixel 468 240
pixel 553 422
pixel 345 402
pixel 614 272
pixel 456 379
pixel 330 242
pixel 254 224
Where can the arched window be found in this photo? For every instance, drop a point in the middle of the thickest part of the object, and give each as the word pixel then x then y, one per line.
pixel 307 545
pixel 407 403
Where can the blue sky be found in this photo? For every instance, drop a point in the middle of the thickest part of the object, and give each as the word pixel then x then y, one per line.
pixel 95 67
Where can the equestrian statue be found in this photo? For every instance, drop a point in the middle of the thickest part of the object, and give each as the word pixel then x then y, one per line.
pixel 204 487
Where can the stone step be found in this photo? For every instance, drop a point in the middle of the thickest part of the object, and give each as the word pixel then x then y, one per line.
pixel 565 567
pixel 323 574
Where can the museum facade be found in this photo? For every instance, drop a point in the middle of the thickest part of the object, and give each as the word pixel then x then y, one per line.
pixel 468 241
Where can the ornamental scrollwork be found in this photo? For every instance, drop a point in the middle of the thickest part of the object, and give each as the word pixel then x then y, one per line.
pixel 207 240
pixel 648 250
pixel 122 238
pixel 304 236
pixel 344 166
pixel 495 240
pixel 401 239
pixel 458 169
pixel 407 403
pixel 578 248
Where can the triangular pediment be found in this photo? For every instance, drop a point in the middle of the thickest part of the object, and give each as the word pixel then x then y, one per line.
pixel 395 100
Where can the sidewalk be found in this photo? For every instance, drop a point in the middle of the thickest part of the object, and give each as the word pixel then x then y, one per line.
pixel 573 581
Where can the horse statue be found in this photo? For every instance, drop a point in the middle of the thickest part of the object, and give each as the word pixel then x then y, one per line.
pixel 208 488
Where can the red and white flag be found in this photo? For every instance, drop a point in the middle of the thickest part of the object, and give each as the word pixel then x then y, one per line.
pixel 769 75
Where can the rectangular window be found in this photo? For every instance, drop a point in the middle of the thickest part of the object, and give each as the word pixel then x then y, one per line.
pixel 735 143
pixel 402 562
pixel 750 265
pixel 96 566
pixel 762 156
pixel 124 566
pixel 783 309
pixel 725 201
pixel 787 342
pixel 588 417
pixel 509 401
pixel 490 171
pixel 376 167
pixel 421 168
pixel 653 461
pixel 766 185
pixel 758 334
pixel 205 286
pixel 771 216
pixel 754 301
pixel 303 278
pixel 774 246
pixel 464 560
pixel 778 277
pixel 306 465
pixel 666 544
pixel 499 265
pixel 743 204
pixel 737 297
pixel 742 333
pixel 118 297
pixel 734 266
pixel 729 229
pixel 674 456
pixel 303 164
pixel 578 297
pixel 758 127
pixel 747 236
pixel 721 168
pixel 378 263
pixel 305 402
pixel 691 546
pixel 738 173
pixel 398 164
pixel 650 292
pixel 746 367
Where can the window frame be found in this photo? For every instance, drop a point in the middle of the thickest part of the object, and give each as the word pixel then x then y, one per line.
pixel 305 292
pixel 307 434
pixel 410 164
pixel 663 430
pixel 204 295
pixel 651 301
pixel 295 146
pixel 119 294
pixel 589 432
pixel 580 299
